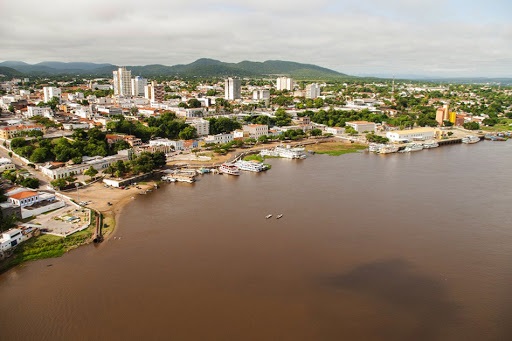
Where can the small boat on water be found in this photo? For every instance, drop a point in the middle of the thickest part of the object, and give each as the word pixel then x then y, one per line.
pixel 279 216
pixel 470 139
pixel 268 216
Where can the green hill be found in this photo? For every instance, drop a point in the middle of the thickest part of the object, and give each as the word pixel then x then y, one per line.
pixel 203 67
pixel 8 72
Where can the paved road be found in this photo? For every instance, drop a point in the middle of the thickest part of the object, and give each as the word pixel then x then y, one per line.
pixel 4 152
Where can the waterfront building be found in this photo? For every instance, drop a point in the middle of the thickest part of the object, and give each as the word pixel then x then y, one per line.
pixel 312 90
pixel 232 88
pixel 284 83
pixel 50 92
pixel 362 126
pixel 256 130
pixel 443 114
pixel 99 163
pixel 418 134
pixel 138 84
pixel 219 138
pixel 122 82
pixel 10 238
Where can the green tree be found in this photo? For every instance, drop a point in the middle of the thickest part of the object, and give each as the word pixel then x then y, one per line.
pixel 263 139
pixel 29 182
pixel 91 172
pixel 59 183
pixel 315 132
pixel 194 103
pixel 471 125
pixel 188 133
pixel 350 130
pixel 40 155
pixel 18 142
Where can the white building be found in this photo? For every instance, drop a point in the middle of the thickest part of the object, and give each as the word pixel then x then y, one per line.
pixel 138 84
pixel 418 134
pixel 232 89
pixel 202 126
pixel 50 92
pixel 10 238
pixel 122 82
pixel 312 90
pixel 6 164
pixel 261 94
pixel 24 198
pixel 362 126
pixel 219 138
pixel 334 130
pixel 99 163
pixel 284 83
pixel 176 144
pixel 38 111
pixel 256 130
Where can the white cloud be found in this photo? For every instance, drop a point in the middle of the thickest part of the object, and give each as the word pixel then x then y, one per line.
pixel 393 36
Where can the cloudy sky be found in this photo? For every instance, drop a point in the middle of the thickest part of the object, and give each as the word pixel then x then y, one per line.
pixel 401 37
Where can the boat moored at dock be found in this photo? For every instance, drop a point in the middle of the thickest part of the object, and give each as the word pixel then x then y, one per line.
pixel 251 166
pixel 229 168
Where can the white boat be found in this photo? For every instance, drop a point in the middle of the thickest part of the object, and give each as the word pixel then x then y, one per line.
pixel 470 139
pixel 229 168
pixel 430 144
pixel 374 147
pixel 413 147
pixel 285 152
pixel 168 178
pixel 387 149
pixel 279 216
pixel 268 216
pixel 251 166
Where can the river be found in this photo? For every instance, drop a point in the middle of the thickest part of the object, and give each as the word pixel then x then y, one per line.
pixel 370 247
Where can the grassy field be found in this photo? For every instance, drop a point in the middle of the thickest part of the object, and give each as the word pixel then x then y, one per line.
pixel 336 148
pixel 254 157
pixel 46 246
pixel 504 125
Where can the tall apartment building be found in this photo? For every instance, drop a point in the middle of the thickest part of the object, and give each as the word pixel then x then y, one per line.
pixel 154 92
pixel 443 114
pixel 312 90
pixel 138 84
pixel 122 82
pixel 50 92
pixel 232 88
pixel 284 83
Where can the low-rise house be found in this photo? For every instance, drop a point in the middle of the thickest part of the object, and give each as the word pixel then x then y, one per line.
pixel 11 132
pixel 24 198
pixel 219 138
pixel 362 126
pixel 6 164
pixel 334 130
pixel 174 144
pixel 99 163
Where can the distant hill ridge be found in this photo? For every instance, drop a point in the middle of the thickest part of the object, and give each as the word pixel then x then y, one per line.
pixel 203 67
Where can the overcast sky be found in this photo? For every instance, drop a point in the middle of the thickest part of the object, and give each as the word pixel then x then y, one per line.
pixel 424 37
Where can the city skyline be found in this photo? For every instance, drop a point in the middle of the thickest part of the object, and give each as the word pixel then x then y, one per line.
pixel 393 37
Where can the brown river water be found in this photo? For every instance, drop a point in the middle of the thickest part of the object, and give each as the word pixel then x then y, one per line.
pixel 397 247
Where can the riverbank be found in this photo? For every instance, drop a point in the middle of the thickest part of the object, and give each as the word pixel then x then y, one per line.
pixel 110 202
